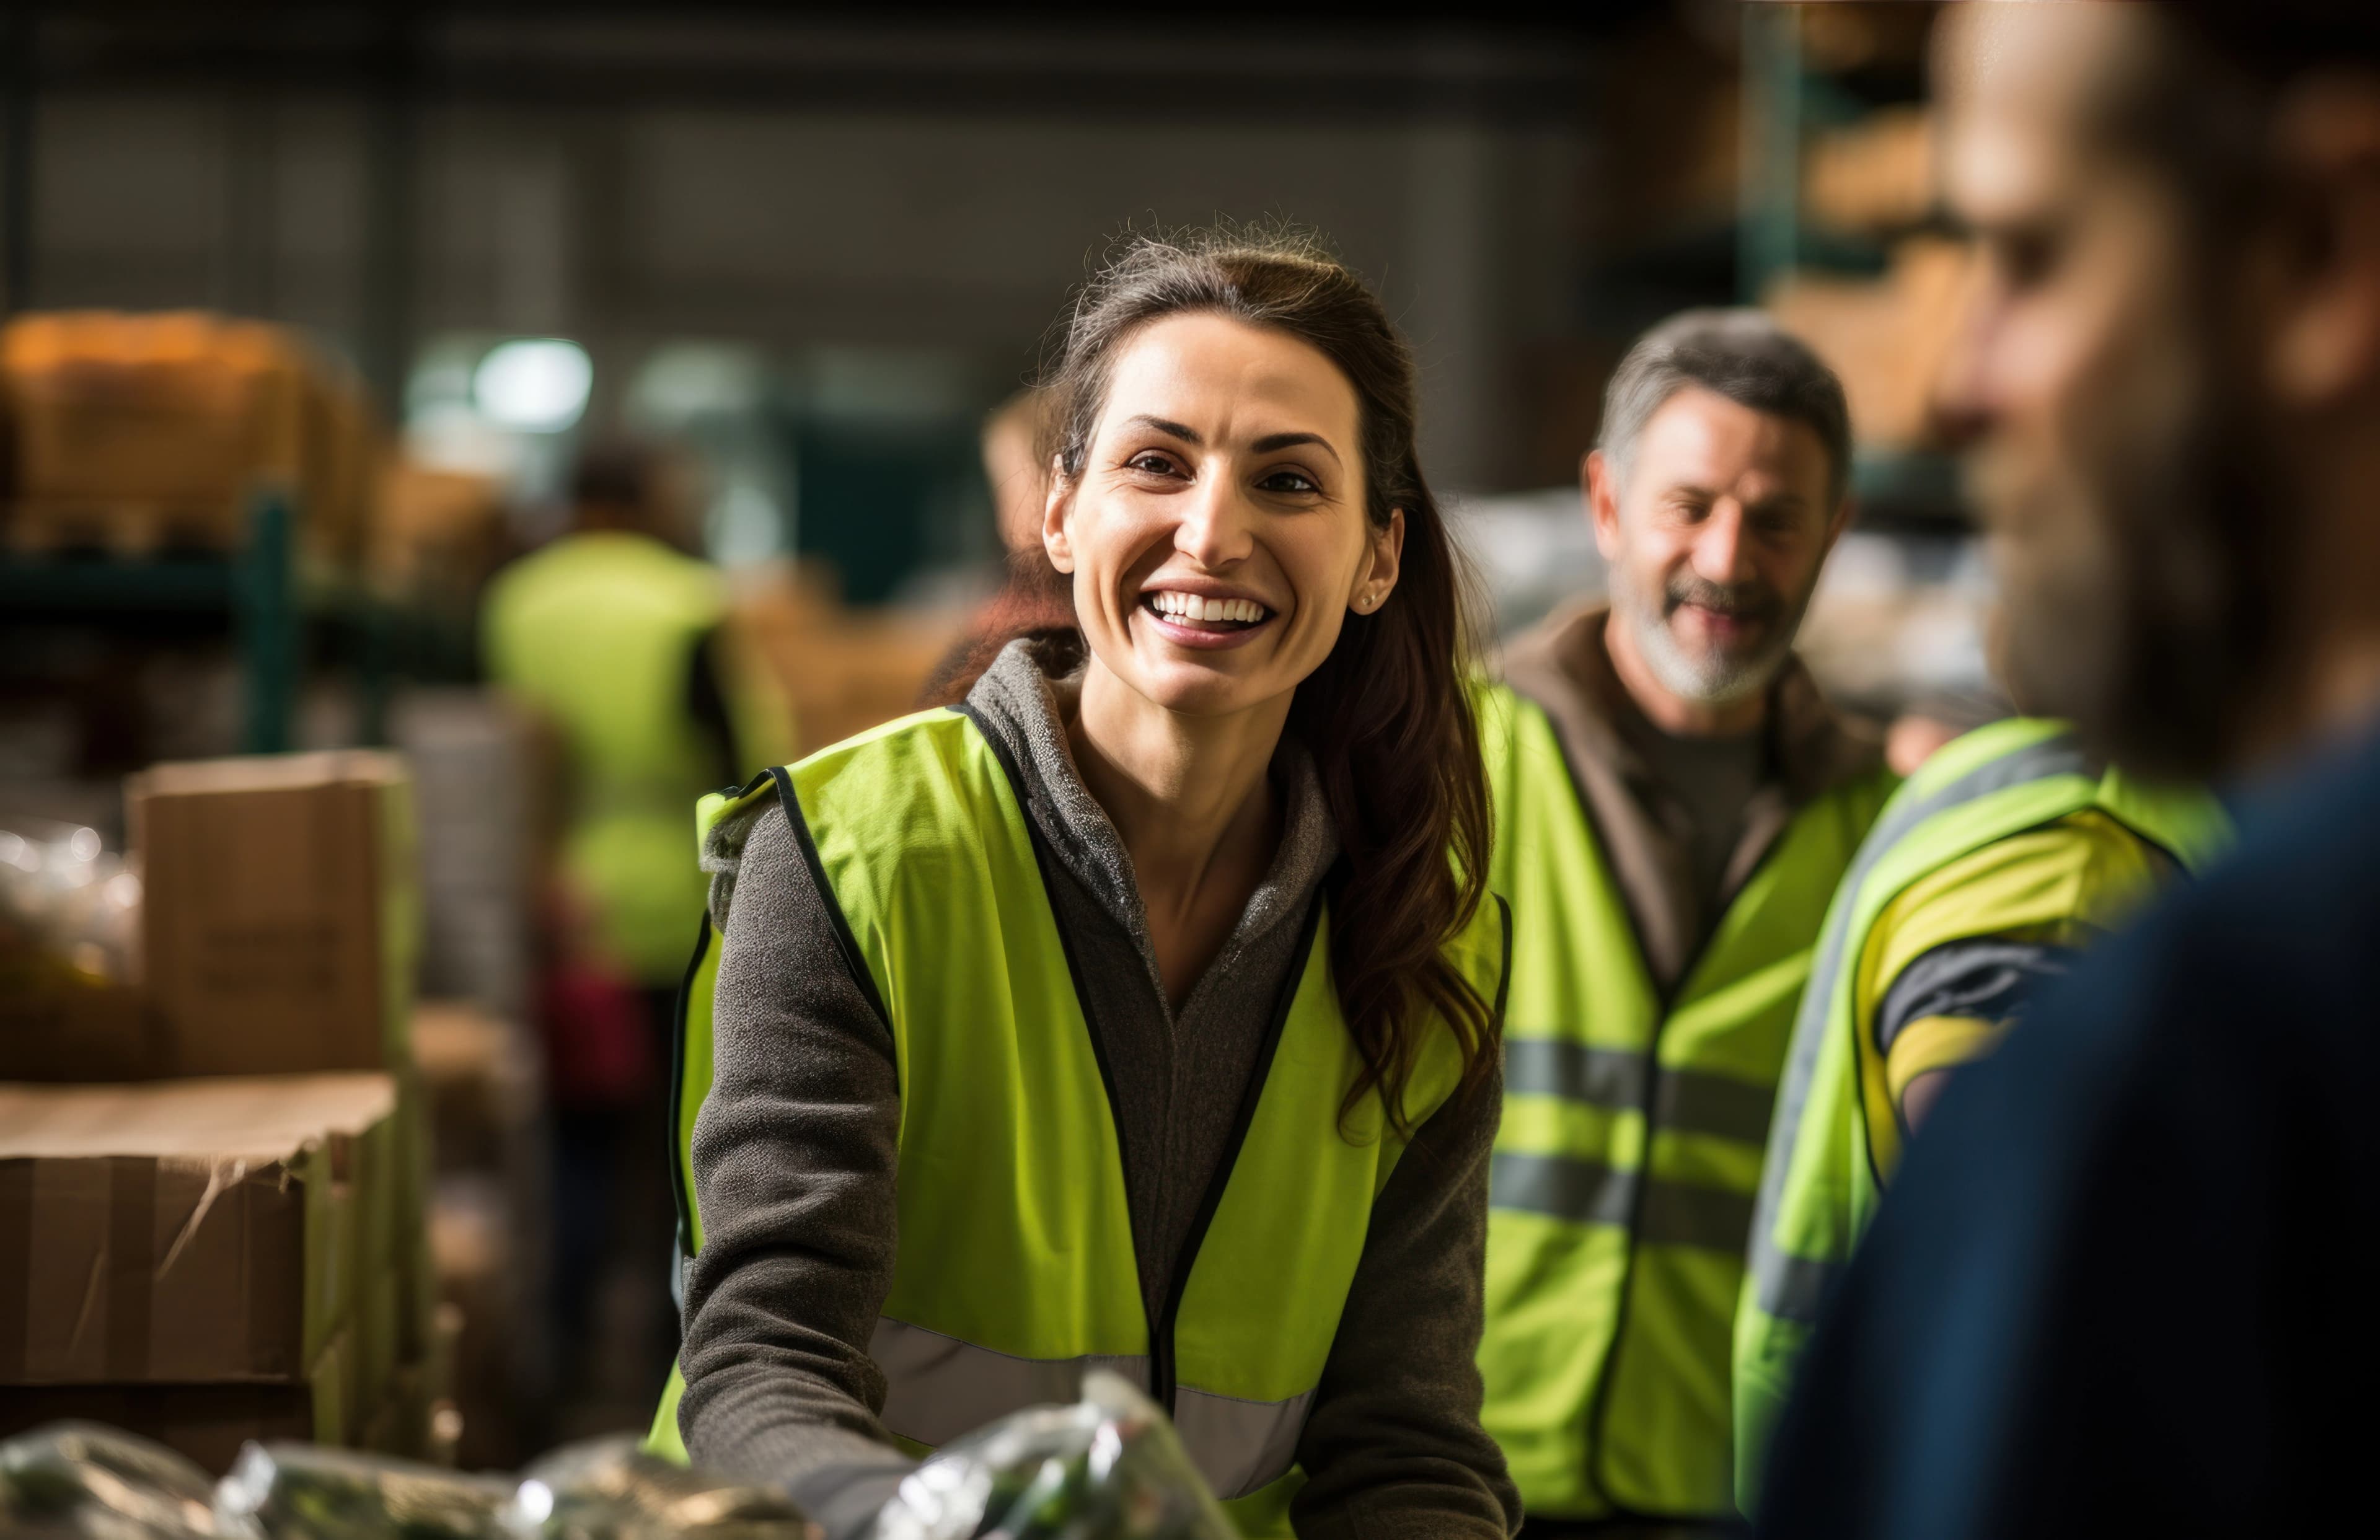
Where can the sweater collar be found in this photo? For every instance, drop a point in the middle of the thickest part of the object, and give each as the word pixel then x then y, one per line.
pixel 1026 697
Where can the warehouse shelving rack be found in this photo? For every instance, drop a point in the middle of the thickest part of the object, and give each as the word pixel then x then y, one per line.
pixel 1784 99
pixel 271 604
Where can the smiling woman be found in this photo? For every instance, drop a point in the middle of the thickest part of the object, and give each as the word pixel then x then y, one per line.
pixel 1092 1021
pixel 1233 421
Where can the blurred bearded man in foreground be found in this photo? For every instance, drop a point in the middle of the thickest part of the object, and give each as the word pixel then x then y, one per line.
pixel 2107 1293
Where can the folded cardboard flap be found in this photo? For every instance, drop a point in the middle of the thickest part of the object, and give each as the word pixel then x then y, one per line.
pixel 280 910
pixel 271 772
pixel 185 1230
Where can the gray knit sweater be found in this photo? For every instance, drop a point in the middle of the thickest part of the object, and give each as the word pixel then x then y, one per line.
pixel 796 1151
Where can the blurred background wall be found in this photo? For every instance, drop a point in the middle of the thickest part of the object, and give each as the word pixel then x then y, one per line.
pixel 879 220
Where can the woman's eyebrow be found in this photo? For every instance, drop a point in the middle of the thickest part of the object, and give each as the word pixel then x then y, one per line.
pixel 1264 446
pixel 1170 430
pixel 1271 442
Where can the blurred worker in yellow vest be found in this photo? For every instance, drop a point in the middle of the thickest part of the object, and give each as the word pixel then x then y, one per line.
pixel 612 635
pixel 2002 856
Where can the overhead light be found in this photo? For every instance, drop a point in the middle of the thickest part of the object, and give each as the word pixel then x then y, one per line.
pixel 536 384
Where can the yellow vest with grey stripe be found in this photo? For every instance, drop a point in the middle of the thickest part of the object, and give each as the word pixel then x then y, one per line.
pixel 1015 1269
pixel 1629 1154
pixel 1821 1187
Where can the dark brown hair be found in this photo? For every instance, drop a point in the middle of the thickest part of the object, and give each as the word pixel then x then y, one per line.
pixel 1386 716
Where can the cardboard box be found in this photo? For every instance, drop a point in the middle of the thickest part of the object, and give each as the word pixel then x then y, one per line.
pixel 1887 338
pixel 280 913
pixel 414 1272
pixel 1875 174
pixel 832 672
pixel 147 430
pixel 203 1423
pixel 485 1088
pixel 183 1230
pixel 435 531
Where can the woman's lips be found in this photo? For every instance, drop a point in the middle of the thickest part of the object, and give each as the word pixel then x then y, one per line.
pixel 1204 636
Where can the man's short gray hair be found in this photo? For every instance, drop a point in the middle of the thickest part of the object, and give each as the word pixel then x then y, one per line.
pixel 1745 355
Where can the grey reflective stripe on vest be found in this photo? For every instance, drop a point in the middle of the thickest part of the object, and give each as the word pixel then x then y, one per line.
pixel 1239 1446
pixel 1788 1287
pixel 938 1387
pixel 1586 1192
pixel 1692 1102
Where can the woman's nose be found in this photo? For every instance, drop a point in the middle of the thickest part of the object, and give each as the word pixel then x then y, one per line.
pixel 1216 529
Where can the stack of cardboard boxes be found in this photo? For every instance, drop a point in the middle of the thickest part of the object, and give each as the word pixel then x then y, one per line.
pixel 143 433
pixel 232 1242
pixel 205 1260
pixel 140 432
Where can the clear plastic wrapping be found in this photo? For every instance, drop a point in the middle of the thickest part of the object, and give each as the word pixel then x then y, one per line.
pixel 1109 1467
pixel 610 1489
pixel 302 1492
pixel 79 1481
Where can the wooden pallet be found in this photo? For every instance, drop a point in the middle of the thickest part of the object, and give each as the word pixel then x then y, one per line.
pixel 121 529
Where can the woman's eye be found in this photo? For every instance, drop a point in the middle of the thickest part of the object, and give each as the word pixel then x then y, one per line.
pixel 1154 464
pixel 1289 481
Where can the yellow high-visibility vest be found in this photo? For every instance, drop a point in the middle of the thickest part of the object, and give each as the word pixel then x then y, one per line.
pixel 1821 1186
pixel 1629 1155
pixel 1015 1269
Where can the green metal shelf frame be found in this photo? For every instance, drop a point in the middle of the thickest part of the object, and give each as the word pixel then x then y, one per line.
pixel 258 589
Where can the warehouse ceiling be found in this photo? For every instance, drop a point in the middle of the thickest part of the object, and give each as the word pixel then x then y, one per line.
pixel 1280 62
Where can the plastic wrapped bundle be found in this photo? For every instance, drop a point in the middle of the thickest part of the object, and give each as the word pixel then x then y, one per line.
pixel 1106 1468
pixel 79 1481
pixel 610 1489
pixel 299 1492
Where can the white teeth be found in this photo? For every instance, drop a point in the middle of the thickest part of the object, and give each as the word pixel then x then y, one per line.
pixel 1165 601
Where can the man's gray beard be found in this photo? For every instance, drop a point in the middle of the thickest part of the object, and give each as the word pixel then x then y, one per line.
pixel 1714 680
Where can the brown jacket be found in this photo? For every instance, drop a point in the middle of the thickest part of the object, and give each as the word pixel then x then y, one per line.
pixel 1564 667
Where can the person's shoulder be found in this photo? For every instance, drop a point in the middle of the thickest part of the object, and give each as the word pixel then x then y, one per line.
pixel 2083 873
pixel 2307 864
pixel 2271 950
pixel 931 780
pixel 899 760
